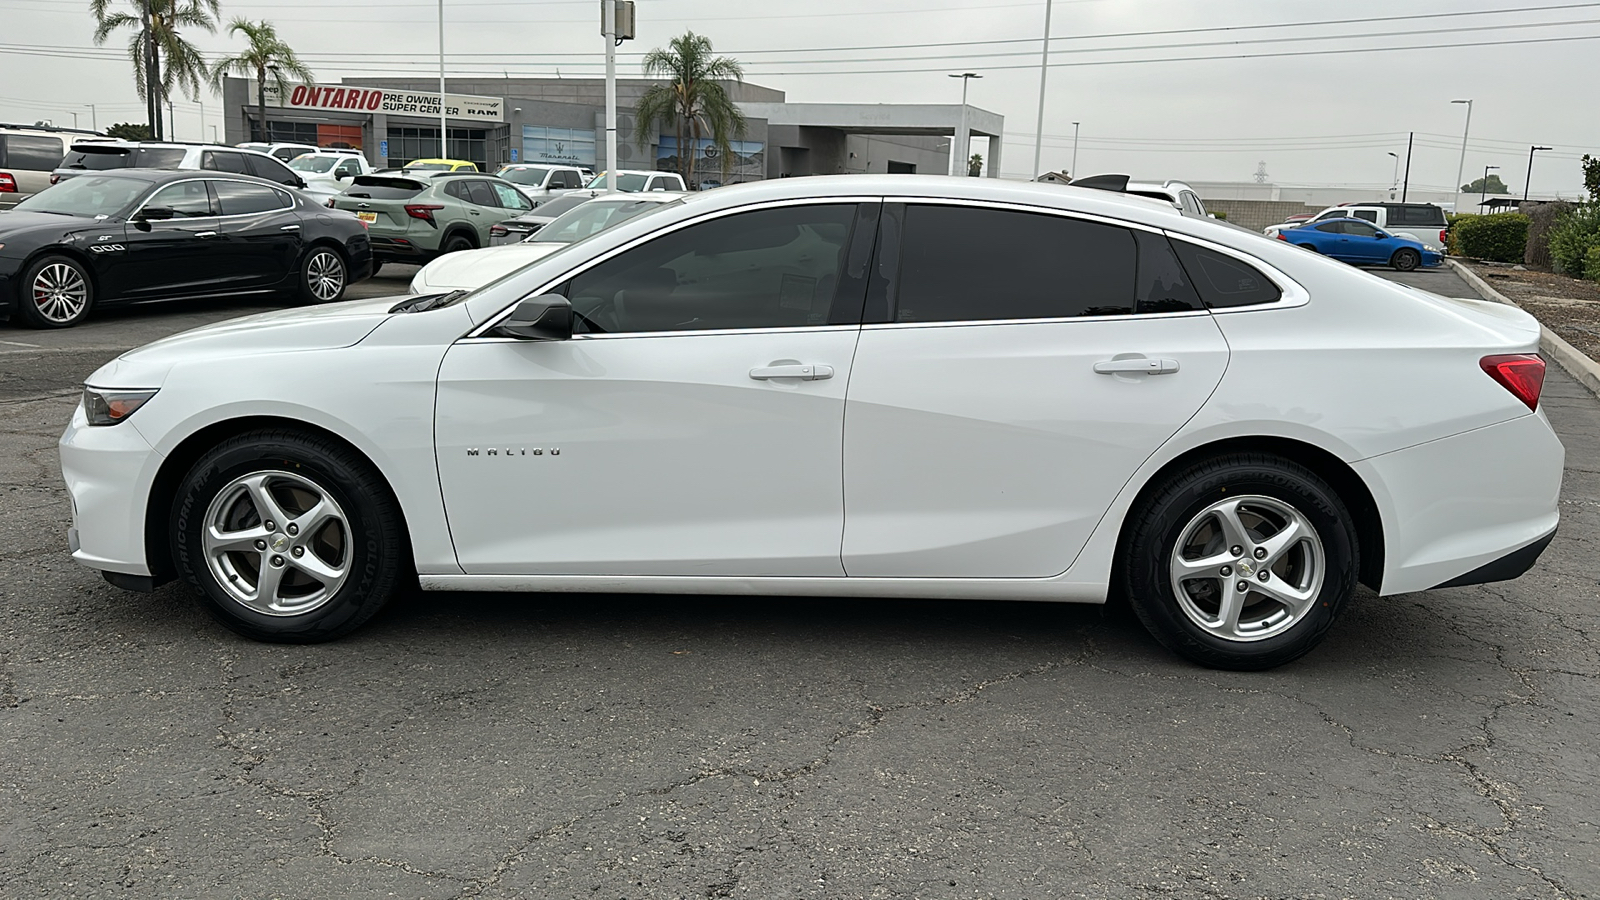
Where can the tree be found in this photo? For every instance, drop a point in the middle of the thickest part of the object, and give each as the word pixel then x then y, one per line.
pixel 1591 176
pixel 157 39
pixel 692 101
pixel 975 165
pixel 266 54
pixel 130 131
pixel 1492 186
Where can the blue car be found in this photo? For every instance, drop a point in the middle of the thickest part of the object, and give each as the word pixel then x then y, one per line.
pixel 1361 243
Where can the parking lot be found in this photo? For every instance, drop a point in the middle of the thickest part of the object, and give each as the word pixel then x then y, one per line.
pixel 465 745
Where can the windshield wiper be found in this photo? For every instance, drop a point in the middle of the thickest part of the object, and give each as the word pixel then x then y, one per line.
pixel 425 302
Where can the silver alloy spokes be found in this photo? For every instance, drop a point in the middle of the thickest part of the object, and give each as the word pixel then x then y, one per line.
pixel 1247 568
pixel 277 542
pixel 325 275
pixel 60 293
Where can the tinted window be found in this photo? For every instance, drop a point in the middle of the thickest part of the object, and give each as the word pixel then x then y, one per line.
pixel 571 180
pixel 1412 214
pixel 481 193
pixel 1332 227
pixel 87 195
pixel 348 167
pixel 186 199
pixel 959 263
pixel 764 269
pixel 1371 215
pixel 160 157
pixel 1223 281
pixel 455 189
pixel 533 176
pixel 224 162
pixel 81 157
pixel 272 170
pixel 383 187
pixel 509 197
pixel 22 151
pixel 1161 286
pixel 1360 229
pixel 236 198
pixel 553 208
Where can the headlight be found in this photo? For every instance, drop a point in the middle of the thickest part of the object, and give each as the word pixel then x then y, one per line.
pixel 108 407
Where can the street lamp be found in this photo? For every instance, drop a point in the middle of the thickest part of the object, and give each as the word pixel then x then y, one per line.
pixel 1462 165
pixel 1528 182
pixel 1044 68
pixel 1394 181
pixel 959 144
pixel 1483 186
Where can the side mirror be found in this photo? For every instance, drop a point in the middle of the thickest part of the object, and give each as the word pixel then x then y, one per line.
pixel 299 182
pixel 547 317
pixel 341 176
pixel 155 214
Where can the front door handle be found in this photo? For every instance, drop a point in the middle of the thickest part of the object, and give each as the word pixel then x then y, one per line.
pixel 1137 365
pixel 205 234
pixel 289 228
pixel 802 372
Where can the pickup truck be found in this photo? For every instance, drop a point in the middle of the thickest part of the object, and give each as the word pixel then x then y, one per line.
pixel 540 182
pixel 328 172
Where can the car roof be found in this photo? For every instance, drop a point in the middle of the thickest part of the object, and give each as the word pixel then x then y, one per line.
pixel 161 176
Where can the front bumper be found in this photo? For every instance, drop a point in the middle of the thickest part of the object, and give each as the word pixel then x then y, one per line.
pixel 108 471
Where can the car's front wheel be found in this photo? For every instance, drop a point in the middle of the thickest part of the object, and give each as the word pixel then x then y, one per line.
pixel 323 276
pixel 1405 259
pixel 1241 562
pixel 56 293
pixel 288 536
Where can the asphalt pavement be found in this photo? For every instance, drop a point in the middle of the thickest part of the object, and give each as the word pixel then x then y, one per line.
pixel 1438 745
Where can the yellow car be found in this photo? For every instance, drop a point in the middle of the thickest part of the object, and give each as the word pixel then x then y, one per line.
pixel 440 165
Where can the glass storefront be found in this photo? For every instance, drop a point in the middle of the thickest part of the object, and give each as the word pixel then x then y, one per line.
pixel 568 146
pixel 748 163
pixel 407 143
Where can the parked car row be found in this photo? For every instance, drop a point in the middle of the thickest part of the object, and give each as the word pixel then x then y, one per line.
pixel 1404 236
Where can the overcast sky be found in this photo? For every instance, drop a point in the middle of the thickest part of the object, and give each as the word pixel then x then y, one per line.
pixel 1315 118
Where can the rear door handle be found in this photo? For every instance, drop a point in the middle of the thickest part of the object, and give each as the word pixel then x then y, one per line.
pixel 802 372
pixel 289 228
pixel 1137 365
pixel 205 234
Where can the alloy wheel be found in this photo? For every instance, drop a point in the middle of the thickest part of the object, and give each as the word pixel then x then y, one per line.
pixel 277 542
pixel 60 293
pixel 325 275
pixel 1247 568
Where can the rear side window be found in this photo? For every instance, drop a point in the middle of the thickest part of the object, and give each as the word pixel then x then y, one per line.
pixel 383 187
pixel 1371 215
pixel 961 263
pixel 237 198
pixel 1222 281
pixel 224 162
pixel 270 169
pixel 481 193
pixel 1417 214
pixel 1332 227
pixel 186 199
pixel 159 157
pixel 36 153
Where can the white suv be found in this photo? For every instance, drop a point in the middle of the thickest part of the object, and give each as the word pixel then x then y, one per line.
pixel 1177 193
pixel 630 180
pixel 98 156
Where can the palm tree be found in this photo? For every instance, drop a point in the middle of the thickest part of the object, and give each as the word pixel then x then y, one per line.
pixel 157 36
pixel 692 101
pixel 266 54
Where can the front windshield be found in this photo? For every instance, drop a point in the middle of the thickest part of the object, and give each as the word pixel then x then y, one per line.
pixel 429 167
pixel 312 163
pixel 625 182
pixel 591 218
pixel 90 196
pixel 525 175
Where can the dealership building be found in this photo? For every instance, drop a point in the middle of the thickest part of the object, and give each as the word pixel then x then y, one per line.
pixel 493 121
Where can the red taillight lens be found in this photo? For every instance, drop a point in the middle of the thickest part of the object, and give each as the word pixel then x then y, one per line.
pixel 329 204
pixel 423 211
pixel 1281 237
pixel 1444 237
pixel 1520 373
pixel 498 231
pixel 54 178
pixel 8 183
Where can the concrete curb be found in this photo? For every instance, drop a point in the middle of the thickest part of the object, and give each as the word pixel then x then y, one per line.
pixel 1579 366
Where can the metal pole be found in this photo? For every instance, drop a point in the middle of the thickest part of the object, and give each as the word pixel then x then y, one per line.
pixel 961 163
pixel 1074 172
pixel 1405 188
pixel 202 119
pixel 94 118
pixel 1462 165
pixel 1529 182
pixel 1483 186
pixel 1044 69
pixel 1394 180
pixel 444 122
pixel 608 27
pixel 75 128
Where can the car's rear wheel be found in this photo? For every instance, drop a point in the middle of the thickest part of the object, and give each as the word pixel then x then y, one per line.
pixel 456 242
pixel 1405 259
pixel 1307 247
pixel 56 292
pixel 1240 562
pixel 288 536
pixel 323 276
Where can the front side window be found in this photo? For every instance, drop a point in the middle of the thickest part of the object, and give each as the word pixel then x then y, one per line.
pixel 771 268
pixel 1222 281
pixel 186 199
pixel 509 197
pixel 237 198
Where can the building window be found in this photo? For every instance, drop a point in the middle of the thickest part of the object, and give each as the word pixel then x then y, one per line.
pixel 566 146
pixel 749 161
pixel 339 137
pixel 407 143
pixel 285 132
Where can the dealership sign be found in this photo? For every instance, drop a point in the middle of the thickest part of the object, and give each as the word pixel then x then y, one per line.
pixel 385 100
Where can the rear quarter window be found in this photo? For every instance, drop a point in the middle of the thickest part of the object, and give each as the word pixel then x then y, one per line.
pixel 1223 281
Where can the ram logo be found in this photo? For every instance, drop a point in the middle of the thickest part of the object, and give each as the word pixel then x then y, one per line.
pixel 514 451
pixel 107 248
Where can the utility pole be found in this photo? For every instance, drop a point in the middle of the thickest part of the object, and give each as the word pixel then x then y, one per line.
pixel 94 118
pixel 958 144
pixel 1462 165
pixel 1528 183
pixel 608 28
pixel 1044 69
pixel 1394 180
pixel 1405 188
pixel 1073 172
pixel 444 121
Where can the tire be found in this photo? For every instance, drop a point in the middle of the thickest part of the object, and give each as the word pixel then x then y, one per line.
pixel 1253 497
pixel 55 292
pixel 1405 260
pixel 375 267
pixel 457 242
pixel 324 276
pixel 347 557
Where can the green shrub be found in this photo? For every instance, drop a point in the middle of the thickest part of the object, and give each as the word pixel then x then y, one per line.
pixel 1573 237
pixel 1220 214
pixel 1541 219
pixel 1502 237
pixel 1591 263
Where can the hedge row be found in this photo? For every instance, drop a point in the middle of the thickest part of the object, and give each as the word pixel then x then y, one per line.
pixel 1575 242
pixel 1502 237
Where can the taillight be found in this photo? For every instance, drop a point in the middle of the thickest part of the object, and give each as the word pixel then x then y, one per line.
pixel 1280 236
pixel 1444 237
pixel 8 183
pixel 55 178
pixel 423 211
pixel 498 231
pixel 329 204
pixel 1520 373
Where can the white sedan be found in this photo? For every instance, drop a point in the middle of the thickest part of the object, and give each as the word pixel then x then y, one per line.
pixel 890 386
pixel 466 269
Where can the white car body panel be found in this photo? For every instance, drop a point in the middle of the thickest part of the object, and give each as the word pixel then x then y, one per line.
pixel 466 269
pixel 680 473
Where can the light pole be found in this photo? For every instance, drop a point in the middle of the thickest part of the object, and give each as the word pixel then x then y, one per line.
pixel 75 124
pixel 1528 182
pixel 608 28
pixel 1394 180
pixel 1073 173
pixel 958 144
pixel 94 119
pixel 444 126
pixel 1483 186
pixel 202 119
pixel 1462 165
pixel 1044 67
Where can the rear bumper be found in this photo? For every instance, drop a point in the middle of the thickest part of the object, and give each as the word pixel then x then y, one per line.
pixel 1513 565
pixel 386 249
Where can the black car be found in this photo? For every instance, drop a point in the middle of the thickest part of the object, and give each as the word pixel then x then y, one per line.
pixel 136 235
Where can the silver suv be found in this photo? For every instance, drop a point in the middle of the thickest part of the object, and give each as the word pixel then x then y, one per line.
pixel 98 156
pixel 1177 193
pixel 28 153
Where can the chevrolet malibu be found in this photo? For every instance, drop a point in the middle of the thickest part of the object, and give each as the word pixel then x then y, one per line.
pixel 851 386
